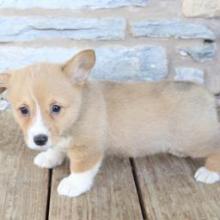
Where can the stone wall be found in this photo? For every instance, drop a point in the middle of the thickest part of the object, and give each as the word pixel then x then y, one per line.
pixel 133 39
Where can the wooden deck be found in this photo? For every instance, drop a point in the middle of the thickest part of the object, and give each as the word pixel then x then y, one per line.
pixel 158 187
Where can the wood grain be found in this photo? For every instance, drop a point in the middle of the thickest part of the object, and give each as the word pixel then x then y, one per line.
pixel 113 196
pixel 169 190
pixel 167 187
pixel 23 186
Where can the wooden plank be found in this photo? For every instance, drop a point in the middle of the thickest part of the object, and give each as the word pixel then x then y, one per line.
pixel 169 190
pixel 23 186
pixel 113 195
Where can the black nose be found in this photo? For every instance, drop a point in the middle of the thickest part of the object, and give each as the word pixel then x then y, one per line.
pixel 40 139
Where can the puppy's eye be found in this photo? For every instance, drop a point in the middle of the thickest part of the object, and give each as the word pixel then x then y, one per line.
pixel 55 109
pixel 24 110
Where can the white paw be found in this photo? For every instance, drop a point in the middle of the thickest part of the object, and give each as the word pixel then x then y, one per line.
pixel 49 159
pixel 72 187
pixel 77 183
pixel 206 176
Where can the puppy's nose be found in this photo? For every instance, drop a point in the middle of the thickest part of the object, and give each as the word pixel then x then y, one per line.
pixel 40 139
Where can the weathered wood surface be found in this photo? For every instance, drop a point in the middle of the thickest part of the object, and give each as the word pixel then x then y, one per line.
pixel 113 196
pixel 167 189
pixel 23 186
pixel 170 192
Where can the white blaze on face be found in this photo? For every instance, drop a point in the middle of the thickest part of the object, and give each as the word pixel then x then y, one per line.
pixel 38 128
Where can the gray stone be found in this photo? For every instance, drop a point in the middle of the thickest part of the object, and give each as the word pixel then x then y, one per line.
pixel 118 63
pixel 201 8
pixel 189 74
pixel 33 27
pixel 139 63
pixel 173 28
pixel 200 54
pixel 70 4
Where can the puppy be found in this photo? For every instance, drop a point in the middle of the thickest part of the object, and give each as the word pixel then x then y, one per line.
pixel 63 113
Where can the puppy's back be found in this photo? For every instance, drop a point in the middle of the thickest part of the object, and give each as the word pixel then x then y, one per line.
pixel 147 118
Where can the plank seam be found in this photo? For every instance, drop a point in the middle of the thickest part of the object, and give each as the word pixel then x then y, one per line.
pixel 49 185
pixel 137 185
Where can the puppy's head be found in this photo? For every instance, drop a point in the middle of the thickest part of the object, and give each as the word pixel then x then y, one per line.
pixel 46 98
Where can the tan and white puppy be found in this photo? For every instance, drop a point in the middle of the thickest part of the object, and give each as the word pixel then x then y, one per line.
pixel 63 113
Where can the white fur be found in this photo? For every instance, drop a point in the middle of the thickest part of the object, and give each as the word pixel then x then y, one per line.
pixel 206 176
pixel 77 183
pixel 49 159
pixel 38 127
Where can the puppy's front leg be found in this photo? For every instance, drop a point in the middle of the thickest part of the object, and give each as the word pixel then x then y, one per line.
pixel 50 158
pixel 84 166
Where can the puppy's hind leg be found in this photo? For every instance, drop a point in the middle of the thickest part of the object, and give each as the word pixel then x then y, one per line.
pixel 210 173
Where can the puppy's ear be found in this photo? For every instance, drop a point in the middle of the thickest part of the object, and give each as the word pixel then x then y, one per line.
pixel 79 67
pixel 4 81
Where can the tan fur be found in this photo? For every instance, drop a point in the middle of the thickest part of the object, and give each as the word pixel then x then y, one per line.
pixel 213 162
pixel 81 159
pixel 129 119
